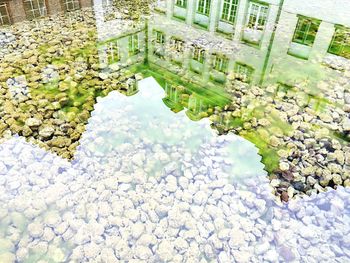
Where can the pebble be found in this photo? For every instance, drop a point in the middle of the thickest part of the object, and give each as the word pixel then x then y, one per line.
pixel 35 230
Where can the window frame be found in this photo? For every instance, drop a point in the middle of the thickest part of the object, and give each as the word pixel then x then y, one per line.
pixel 261 18
pixel 232 5
pixel 203 7
pixel 7 15
pixel 181 3
pixel 198 54
pixel 220 63
pixel 343 43
pixel 42 10
pixel 298 30
pixel 134 44
pixel 113 50
pixel 178 44
pixel 239 65
pixel 159 37
pixel 75 3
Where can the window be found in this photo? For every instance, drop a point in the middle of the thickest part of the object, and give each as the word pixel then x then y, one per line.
pixel 243 72
pixel 199 54
pixel 112 52
pixel 177 44
pixel 340 44
pixel 203 7
pixel 306 31
pixel 134 44
pixel 229 10
pixel 159 37
pixel 71 5
pixel 106 3
pixel 34 8
pixel 220 63
pixel 4 15
pixel 257 16
pixel 181 3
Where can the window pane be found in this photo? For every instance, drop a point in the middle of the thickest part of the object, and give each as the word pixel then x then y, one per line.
pixel 257 16
pixel 220 63
pixel 306 31
pixel 181 3
pixel 243 72
pixel 229 10
pixel 34 8
pixel 4 16
pixel 204 7
pixel 133 44
pixel 340 44
pixel 71 5
pixel 198 54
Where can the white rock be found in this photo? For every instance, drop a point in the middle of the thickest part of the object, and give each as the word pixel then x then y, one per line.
pixel 91 250
pixel 35 229
pixel 147 240
pixel 200 197
pixel 262 248
pixel 3 168
pixel 137 229
pixel 180 244
pixel 138 159
pixel 31 122
pixel 107 255
pixel 165 250
pixel 52 219
pixel 143 252
pixel 48 234
pixel 224 257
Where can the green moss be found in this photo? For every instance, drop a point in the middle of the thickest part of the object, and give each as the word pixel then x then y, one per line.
pixel 269 155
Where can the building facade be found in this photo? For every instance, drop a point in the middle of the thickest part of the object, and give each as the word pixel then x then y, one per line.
pixel 257 41
pixel 311 43
pixel 13 11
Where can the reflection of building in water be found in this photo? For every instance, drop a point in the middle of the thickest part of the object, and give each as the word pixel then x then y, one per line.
pixel 186 25
pixel 312 38
pixel 203 41
pixel 274 41
pixel 121 43
pixel 12 11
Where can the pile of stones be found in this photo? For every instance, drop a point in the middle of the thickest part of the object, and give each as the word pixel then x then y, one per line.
pixel 50 76
pixel 141 201
pixel 312 157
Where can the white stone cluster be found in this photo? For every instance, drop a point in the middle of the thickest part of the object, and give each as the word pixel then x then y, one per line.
pixel 18 87
pixel 50 74
pixel 6 38
pixel 148 185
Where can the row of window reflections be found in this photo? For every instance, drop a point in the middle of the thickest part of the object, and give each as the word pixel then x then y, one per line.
pixel 35 9
pixel 257 12
pixel 38 8
pixel 307 29
pixel 219 62
pixel 112 49
pixel 257 15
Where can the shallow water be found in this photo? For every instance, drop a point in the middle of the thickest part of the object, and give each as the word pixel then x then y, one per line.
pixel 131 195
pixel 171 133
